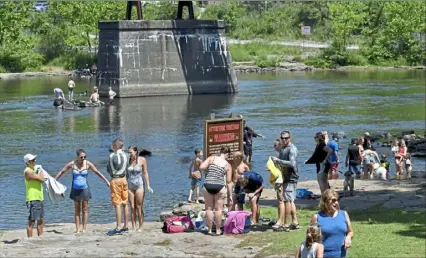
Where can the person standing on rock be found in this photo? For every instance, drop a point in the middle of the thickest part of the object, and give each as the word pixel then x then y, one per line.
pixel 249 134
pixel 195 175
pixel 34 196
pixel 217 184
pixel 80 190
pixel 137 166
pixel 287 161
pixel 117 168
pixel 71 87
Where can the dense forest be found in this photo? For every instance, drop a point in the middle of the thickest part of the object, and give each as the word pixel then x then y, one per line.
pixel 388 33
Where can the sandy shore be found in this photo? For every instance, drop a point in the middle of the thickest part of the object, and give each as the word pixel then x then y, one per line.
pixel 59 239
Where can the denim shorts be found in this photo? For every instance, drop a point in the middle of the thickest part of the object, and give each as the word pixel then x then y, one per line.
pixel 196 182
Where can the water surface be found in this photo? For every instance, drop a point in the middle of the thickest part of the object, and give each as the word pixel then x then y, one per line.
pixel 172 126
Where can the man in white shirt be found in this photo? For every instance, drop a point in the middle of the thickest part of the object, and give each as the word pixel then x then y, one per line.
pixel 59 94
pixel 111 95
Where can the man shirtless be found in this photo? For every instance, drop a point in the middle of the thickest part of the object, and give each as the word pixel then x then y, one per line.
pixel 71 87
pixel 94 98
pixel 240 168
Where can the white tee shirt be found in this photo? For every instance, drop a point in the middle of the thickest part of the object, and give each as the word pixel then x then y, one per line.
pixel 111 94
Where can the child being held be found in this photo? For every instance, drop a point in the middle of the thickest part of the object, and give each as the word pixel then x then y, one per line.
pixel 385 164
pixel 195 175
pixel 408 167
pixel 311 248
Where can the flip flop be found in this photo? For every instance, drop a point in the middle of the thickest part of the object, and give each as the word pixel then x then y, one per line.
pixel 114 232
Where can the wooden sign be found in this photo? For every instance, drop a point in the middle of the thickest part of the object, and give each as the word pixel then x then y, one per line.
pixel 223 132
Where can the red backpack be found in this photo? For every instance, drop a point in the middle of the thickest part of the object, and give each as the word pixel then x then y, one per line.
pixel 170 227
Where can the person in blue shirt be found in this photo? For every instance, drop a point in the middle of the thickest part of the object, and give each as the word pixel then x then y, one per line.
pixel 252 184
pixel 333 159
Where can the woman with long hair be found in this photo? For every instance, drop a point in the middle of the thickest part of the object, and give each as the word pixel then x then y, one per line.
pixel 137 167
pixel 80 190
pixel 319 158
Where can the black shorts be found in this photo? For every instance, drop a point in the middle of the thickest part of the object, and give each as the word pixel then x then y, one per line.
pixel 36 209
pixel 242 196
pixel 248 150
pixel 80 194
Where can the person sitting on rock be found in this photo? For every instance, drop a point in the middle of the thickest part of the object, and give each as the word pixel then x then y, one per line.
pixel 94 98
pixel 252 184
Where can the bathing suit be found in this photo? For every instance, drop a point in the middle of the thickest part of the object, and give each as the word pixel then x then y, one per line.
pixel 215 178
pixel 134 177
pixel 80 190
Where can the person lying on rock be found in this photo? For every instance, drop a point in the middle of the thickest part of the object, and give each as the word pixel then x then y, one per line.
pixel 252 184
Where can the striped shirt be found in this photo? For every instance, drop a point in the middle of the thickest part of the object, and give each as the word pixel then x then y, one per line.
pixel 117 164
pixel 216 175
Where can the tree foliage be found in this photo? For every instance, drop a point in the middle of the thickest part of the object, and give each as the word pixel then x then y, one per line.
pixel 66 35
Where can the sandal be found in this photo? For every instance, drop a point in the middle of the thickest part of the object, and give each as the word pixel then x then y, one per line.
pixel 282 229
pixel 294 226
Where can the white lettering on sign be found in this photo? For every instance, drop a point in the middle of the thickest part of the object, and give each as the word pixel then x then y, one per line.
pixel 306 30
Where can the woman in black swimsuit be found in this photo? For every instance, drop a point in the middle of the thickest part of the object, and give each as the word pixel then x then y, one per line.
pixel 216 168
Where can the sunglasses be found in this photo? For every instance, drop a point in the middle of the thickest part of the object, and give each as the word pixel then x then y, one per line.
pixel 83 157
pixel 285 138
pixel 334 200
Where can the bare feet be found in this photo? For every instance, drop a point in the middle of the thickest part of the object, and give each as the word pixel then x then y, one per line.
pixel 77 232
pixel 83 231
pixel 139 230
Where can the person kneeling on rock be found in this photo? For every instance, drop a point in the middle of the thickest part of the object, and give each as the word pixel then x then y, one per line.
pixel 252 184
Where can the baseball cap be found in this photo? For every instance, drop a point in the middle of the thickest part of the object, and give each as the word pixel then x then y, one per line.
pixel 367 133
pixel 29 157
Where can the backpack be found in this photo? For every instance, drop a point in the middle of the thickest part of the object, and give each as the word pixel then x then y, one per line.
pixel 171 227
pixel 236 222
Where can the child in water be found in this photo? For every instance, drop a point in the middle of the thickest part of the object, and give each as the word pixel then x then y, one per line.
pixel 408 167
pixel 195 175
pixel 311 248
pixel 385 164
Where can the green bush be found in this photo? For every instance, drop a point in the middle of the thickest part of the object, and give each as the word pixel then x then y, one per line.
pixel 18 60
pixel 73 61
pixel 2 69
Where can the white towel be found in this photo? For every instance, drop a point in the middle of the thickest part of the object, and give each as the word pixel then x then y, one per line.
pixel 55 190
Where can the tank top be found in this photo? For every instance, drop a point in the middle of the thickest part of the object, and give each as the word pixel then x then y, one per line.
pixel 79 177
pixel 33 189
pixel 400 151
pixel 216 174
pixel 354 157
pixel 333 233
pixel 134 176
pixel 309 252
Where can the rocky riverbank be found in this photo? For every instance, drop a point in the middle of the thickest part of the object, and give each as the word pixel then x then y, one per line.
pixel 8 76
pixel 60 241
pixel 250 67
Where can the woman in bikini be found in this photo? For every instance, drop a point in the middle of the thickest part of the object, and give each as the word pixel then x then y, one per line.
pixel 216 186
pixel 80 191
pixel 137 167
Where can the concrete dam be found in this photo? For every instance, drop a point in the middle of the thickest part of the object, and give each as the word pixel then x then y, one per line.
pixel 164 57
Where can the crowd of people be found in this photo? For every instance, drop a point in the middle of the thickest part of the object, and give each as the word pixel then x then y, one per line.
pixel 129 176
pixel 94 97
pixel 225 181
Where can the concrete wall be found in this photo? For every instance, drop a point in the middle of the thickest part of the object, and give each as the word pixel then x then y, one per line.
pixel 147 58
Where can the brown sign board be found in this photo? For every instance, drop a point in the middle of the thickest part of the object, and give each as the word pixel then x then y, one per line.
pixel 223 132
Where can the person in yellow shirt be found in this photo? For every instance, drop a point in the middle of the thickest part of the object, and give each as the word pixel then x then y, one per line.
pixel 34 197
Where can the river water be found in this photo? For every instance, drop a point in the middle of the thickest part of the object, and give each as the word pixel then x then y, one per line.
pixel 172 126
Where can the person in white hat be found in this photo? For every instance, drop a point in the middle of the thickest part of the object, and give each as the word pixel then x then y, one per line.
pixel 34 196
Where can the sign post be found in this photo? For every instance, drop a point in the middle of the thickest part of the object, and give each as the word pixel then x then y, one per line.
pixel 223 132
pixel 306 30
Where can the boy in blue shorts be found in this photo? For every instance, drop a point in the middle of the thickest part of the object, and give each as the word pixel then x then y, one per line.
pixel 195 175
